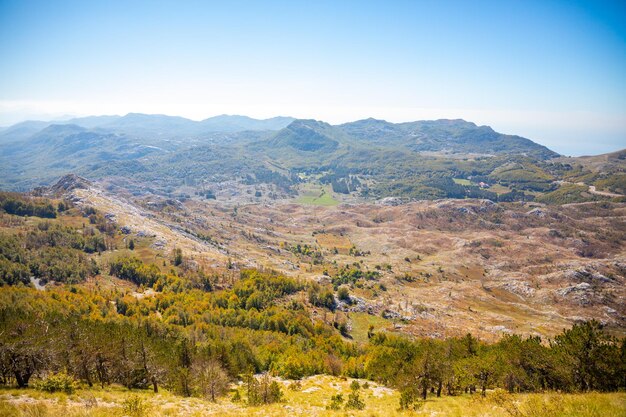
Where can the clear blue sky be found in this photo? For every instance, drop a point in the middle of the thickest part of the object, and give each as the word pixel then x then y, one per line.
pixel 554 71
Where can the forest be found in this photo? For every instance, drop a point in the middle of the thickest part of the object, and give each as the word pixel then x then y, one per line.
pixel 169 339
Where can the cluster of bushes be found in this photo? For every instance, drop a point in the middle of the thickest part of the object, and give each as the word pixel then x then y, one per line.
pixel 12 273
pixel 208 194
pixel 57 254
pixel 20 205
pixel 350 276
pixel 342 183
pixel 263 175
pixel 567 194
pixel 354 401
pixel 524 175
pixel 263 390
pixel 134 270
pixel 454 190
pixel 308 251
pixel 47 250
pixel 97 342
pixel 57 382
pixel 321 297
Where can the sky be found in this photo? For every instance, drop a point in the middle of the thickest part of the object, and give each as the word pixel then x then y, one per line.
pixel 552 71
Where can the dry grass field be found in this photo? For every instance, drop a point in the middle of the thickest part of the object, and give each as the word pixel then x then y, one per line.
pixel 310 399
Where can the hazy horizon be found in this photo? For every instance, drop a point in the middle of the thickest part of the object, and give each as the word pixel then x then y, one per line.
pixel 68 117
pixel 554 72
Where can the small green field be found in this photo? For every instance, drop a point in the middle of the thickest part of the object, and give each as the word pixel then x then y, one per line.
pixel 500 189
pixel 461 181
pixel 316 195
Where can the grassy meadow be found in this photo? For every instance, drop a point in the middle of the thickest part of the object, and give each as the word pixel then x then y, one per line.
pixel 317 195
pixel 462 181
pixel 310 398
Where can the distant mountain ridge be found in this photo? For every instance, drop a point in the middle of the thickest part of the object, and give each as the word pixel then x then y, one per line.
pixel 412 158
pixel 456 136
pixel 302 135
pixel 163 125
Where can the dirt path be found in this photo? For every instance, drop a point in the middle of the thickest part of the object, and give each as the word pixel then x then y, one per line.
pixel 592 190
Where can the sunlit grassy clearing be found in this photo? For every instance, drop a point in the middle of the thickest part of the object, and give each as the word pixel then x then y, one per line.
pixel 499 189
pixel 317 195
pixel 311 400
pixel 461 181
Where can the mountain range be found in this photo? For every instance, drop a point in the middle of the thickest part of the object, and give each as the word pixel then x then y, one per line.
pixel 304 135
pixel 367 158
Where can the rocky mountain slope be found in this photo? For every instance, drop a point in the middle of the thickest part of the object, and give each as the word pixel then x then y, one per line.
pixel 436 268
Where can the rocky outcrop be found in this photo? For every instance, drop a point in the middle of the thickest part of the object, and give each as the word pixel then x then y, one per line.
pixel 390 201
pixel 69 182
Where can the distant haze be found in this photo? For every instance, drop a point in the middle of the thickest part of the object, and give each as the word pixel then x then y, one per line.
pixel 554 72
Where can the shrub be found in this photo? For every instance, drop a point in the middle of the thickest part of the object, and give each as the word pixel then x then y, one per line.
pixel 275 393
pixel 505 400
pixel 343 294
pixel 59 382
pixel 295 386
pixel 409 399
pixel 134 406
pixel 262 390
pixel 236 396
pixel 354 398
pixel 335 402
pixel 178 257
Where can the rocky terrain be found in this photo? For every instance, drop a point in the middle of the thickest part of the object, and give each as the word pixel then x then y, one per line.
pixel 438 268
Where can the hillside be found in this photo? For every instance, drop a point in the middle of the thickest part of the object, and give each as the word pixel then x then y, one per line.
pixel 397 231
pixel 276 261
pixel 447 136
pixel 144 305
pixel 57 149
pixel 431 267
pixel 311 397
pixel 306 136
pixel 454 136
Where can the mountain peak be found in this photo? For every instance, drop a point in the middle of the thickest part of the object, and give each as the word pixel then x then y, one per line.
pixel 307 135
pixel 308 123
pixel 69 182
pixel 58 129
